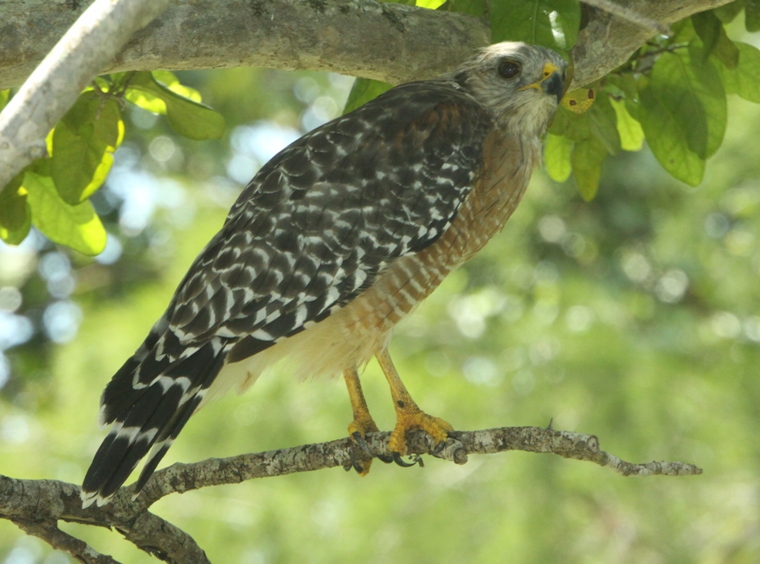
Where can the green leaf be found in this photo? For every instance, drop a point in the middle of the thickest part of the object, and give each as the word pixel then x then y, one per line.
pixel 364 90
pixel 83 145
pixel 631 134
pixel 186 116
pixel 752 15
pixel 587 158
pixel 552 23
pixel 708 28
pixel 714 39
pixel 668 138
pixel 728 12
pixel 603 123
pixel 744 80
pixel 5 95
pixel 575 127
pixel 693 93
pixel 430 4
pixel 557 151
pixel 77 226
pixel 15 215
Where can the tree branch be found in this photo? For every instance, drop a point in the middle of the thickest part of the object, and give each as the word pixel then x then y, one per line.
pixel 36 505
pixel 55 85
pixel 389 42
pixel 608 41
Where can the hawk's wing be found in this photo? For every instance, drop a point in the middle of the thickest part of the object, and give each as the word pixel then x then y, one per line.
pixel 308 234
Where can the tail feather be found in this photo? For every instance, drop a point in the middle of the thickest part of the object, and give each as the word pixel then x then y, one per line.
pixel 148 410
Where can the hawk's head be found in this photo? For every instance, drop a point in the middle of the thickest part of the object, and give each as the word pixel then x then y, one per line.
pixel 519 84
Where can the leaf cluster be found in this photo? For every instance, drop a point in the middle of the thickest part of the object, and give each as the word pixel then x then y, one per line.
pixel 671 93
pixel 53 192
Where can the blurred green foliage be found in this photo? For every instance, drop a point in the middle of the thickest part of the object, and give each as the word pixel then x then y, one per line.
pixel 635 317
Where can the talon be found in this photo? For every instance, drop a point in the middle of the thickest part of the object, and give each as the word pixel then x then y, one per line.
pixel 401 462
pixel 361 441
pixel 439 448
pixel 353 464
pixel 384 458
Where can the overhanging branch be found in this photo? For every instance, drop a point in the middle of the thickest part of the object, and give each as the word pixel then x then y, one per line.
pixel 389 42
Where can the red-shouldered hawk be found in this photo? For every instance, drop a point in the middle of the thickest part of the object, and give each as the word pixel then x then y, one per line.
pixel 331 244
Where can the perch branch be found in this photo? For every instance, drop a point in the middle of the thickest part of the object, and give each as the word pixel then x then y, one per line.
pixel 36 505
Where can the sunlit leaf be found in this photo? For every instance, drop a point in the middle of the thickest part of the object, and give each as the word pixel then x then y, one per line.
pixel 77 227
pixel 15 216
pixel 4 97
pixel 579 100
pixel 553 23
pixel 557 151
pixel 186 116
pixel 430 4
pixel 364 90
pixel 587 158
pixel 83 144
pixel 631 134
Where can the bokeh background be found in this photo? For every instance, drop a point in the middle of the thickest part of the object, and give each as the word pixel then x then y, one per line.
pixel 635 317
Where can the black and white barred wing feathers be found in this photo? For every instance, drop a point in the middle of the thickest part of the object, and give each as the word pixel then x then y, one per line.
pixel 310 232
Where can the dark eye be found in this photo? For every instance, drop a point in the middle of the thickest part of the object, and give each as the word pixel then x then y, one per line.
pixel 509 69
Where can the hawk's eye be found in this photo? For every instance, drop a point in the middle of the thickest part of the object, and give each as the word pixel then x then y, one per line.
pixel 509 69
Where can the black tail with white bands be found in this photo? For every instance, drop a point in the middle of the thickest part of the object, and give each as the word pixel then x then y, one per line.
pixel 147 403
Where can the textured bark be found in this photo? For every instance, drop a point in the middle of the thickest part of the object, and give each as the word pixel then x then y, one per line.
pixel 389 42
pixel 608 41
pixel 36 505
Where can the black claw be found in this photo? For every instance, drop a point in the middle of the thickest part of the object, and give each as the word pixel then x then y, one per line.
pixel 439 448
pixel 398 460
pixel 359 440
pixel 354 463
pixel 385 458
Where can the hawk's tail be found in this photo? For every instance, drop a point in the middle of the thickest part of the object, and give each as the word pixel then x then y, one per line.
pixel 148 401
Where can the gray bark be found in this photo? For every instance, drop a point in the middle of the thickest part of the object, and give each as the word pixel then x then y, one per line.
pixel 37 505
pixel 388 42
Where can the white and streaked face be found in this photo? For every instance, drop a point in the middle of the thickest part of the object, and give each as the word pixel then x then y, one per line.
pixel 519 84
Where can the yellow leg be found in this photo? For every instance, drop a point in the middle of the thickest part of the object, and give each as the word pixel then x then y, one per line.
pixel 408 414
pixel 363 422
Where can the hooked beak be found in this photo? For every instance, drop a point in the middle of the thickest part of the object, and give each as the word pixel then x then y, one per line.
pixel 550 83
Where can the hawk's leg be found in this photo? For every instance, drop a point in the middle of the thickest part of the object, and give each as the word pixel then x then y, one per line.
pixel 362 423
pixel 408 414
